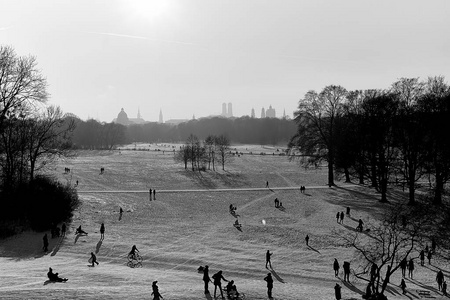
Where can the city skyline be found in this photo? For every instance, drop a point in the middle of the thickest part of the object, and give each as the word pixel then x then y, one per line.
pixel 188 57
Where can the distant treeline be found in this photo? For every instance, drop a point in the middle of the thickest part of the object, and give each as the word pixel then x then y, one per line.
pixel 92 134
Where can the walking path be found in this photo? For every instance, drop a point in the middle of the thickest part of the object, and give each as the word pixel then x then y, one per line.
pixel 219 190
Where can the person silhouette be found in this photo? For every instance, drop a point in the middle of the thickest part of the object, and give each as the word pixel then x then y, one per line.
pixel 422 257
pixel 269 281
pixel 411 268
pixel 440 279
pixel 217 282
pixel 155 291
pixel 403 265
pixel 268 255
pixel 346 267
pixel 338 215
pixel 206 278
pixel 63 229
pixel 94 259
pixel 307 240
pixel 403 286
pixel 154 194
pixel 336 267
pixel 337 291
pixel 102 231
pixel 45 241
pixel 342 217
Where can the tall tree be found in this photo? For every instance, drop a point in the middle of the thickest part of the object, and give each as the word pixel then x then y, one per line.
pixel 223 150
pixel 316 119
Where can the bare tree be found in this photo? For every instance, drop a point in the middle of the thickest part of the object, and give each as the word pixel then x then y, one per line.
pixel 21 83
pixel 183 155
pixel 223 150
pixel 210 150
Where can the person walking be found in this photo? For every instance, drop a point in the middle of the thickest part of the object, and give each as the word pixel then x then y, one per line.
pixel 411 268
pixel 206 278
pixel 342 217
pixel 63 229
pixel 155 291
pixel 444 288
pixel 429 255
pixel 403 265
pixel 154 194
pixel 94 259
pixel 336 268
pixel 307 240
pixel 269 281
pixel 346 267
pixel 422 257
pixel 45 240
pixel 338 216
pixel 403 286
pixel 267 184
pixel 337 292
pixel 268 255
pixel 102 231
pixel 218 283
pixel 440 279
pixel 150 192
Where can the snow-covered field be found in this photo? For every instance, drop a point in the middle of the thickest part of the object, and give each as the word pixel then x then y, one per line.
pixel 188 226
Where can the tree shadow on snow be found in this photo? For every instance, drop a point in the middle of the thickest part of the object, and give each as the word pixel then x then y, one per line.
pixel 25 245
pixel 199 179
pixel 352 287
pixel 423 286
pixel 57 247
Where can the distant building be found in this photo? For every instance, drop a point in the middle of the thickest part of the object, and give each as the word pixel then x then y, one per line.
pixel 161 120
pixel 122 118
pixel 270 112
pixel 224 109
pixel 230 110
pixel 263 113
pixel 284 113
pixel 176 121
pixel 253 113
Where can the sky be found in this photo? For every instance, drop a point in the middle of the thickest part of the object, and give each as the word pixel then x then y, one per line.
pixel 187 57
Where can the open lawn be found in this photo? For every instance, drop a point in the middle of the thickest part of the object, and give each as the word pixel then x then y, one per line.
pixel 189 225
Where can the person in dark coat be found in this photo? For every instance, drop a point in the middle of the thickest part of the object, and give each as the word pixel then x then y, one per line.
pixel 155 291
pixel 45 240
pixel 206 278
pixel 150 194
pixel 403 265
pixel 422 257
pixel 268 255
pixel 217 282
pixel 54 276
pixel 307 240
pixel 269 281
pixel 337 292
pixel 336 267
pixel 338 216
pixel 403 286
pixel 444 288
pixel 411 268
pixel 94 259
pixel 102 231
pixel 342 217
pixel 80 231
pixel 154 194
pixel 440 279
pixel 429 255
pixel 346 267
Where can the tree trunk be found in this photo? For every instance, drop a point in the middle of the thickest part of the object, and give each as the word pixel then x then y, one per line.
pixel 330 169
pixel 386 279
pixel 438 189
pixel 383 190
pixel 347 175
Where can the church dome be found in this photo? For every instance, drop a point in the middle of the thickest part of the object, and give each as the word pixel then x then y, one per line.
pixel 122 118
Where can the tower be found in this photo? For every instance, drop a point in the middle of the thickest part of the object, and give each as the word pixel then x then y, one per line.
pixel 224 109
pixel 253 113
pixel 230 110
pixel 263 113
pixel 139 114
pixel 161 120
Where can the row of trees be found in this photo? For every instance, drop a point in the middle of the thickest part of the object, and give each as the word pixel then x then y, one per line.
pixel 95 135
pixel 31 136
pixel 212 150
pixel 395 136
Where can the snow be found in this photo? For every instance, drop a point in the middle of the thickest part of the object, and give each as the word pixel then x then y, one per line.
pixel 185 229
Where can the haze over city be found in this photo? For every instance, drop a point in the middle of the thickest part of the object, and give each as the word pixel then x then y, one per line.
pixel 188 57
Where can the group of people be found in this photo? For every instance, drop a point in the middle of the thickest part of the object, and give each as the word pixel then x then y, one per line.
pixel 345 266
pixel 154 194
pixel 340 217
pixel 278 203
pixel 231 289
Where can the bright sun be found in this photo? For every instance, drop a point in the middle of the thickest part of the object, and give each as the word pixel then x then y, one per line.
pixel 149 9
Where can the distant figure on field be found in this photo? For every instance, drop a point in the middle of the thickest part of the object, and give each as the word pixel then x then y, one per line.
pixel 336 267
pixel 150 194
pixel 281 205
pixel 440 279
pixel 346 267
pixel 76 183
pixel 206 278
pixel 337 292
pixel 155 291
pixel 217 282
pixel 403 286
pixel 268 255
pixel 269 281
pixel 444 288
pixel 80 231
pixel 120 210
pixel 411 268
pixel 403 265
pixel 45 240
pixel 132 253
pixel 54 276
pixel 307 240
pixel 277 202
pixel 360 225
pixel 267 184
pixel 348 211
pixel 63 229
pixel 422 257
pixel 342 217
pixel 102 231
pixel 154 194
pixel 94 259
pixel 338 216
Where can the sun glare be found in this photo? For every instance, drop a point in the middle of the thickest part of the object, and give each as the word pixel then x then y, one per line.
pixel 150 9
